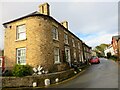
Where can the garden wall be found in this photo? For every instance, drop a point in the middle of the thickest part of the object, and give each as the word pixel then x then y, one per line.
pixel 39 79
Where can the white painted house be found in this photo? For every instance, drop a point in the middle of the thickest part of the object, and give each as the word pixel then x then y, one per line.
pixel 109 49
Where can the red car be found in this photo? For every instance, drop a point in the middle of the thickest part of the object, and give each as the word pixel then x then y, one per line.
pixel 94 60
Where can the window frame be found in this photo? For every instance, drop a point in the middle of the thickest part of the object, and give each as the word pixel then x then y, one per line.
pixel 74 54
pixel 55 33
pixel 18 32
pixel 21 52
pixel 57 55
pixel 80 58
pixel 78 45
pixel 73 42
pixel 66 38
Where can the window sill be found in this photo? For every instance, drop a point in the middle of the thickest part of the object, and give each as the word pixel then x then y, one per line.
pixel 66 43
pixel 57 63
pixel 56 40
pixel 20 40
pixel 22 64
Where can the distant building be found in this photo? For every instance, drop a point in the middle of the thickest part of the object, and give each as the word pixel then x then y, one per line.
pixel 93 52
pixel 115 44
pixel 109 49
pixel 38 39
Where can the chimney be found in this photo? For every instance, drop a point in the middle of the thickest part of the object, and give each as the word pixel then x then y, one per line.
pixel 65 24
pixel 44 9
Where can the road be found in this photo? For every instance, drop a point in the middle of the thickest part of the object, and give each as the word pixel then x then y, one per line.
pixel 103 75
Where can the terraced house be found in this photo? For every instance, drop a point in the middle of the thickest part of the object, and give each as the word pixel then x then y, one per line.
pixel 38 39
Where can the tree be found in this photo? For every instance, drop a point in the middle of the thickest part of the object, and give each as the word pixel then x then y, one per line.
pixel 100 49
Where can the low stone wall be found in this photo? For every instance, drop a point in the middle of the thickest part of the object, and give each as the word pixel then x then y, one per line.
pixel 39 79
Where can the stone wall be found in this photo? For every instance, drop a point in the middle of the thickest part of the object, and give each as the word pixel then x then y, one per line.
pixel 28 80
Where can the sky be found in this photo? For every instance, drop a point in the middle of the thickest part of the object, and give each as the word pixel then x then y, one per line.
pixel 93 21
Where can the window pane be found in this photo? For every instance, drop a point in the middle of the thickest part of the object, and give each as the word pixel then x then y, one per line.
pixel 66 38
pixel 22 36
pixel 19 53
pixel 55 33
pixel 74 54
pixel 18 60
pixel 21 56
pixel 21 32
pixel 73 42
pixel 78 45
pixel 56 55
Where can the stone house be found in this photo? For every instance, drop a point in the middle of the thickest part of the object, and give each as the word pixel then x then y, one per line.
pixel 38 39
pixel 86 52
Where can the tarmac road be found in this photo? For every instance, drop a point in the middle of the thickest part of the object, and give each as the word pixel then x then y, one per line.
pixel 103 75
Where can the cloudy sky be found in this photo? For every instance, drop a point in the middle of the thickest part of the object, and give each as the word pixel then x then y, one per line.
pixel 94 22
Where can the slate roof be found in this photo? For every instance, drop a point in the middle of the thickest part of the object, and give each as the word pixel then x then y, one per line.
pixel 31 14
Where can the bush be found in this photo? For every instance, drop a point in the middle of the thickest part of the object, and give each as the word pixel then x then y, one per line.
pixel 21 70
pixel 114 58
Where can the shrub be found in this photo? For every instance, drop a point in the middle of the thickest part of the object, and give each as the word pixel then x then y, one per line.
pixel 21 70
pixel 114 58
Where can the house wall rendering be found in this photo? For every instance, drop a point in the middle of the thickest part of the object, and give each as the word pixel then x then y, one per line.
pixel 38 39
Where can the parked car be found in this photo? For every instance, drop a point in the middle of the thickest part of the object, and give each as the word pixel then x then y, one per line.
pixel 94 60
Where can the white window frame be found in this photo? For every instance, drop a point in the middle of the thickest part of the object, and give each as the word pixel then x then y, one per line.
pixel 73 42
pixel 21 61
pixel 75 54
pixel 78 45
pixel 65 38
pixel 20 32
pixel 55 33
pixel 56 55
pixel 80 58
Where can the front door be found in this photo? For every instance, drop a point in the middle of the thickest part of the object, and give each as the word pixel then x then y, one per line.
pixel 67 54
